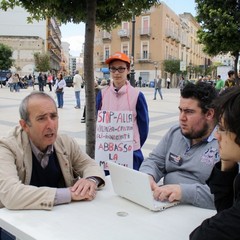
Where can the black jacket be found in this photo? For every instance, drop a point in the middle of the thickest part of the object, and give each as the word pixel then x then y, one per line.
pixel 225 225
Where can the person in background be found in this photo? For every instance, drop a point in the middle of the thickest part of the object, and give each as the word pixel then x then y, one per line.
pixel 168 82
pixel 96 89
pixel 121 96
pixel 29 80
pixel 140 81
pixel 15 82
pixel 50 81
pixel 77 82
pixel 220 84
pixel 182 83
pixel 33 80
pixel 230 82
pixel 185 156
pixel 158 87
pixel 200 79
pixel 41 82
pixel 59 88
pixel 224 180
pixel 10 83
pixel 41 168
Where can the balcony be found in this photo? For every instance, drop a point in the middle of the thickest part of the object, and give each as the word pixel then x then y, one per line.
pixel 145 32
pixel 124 33
pixel 188 46
pixel 143 57
pixel 174 36
pixel 106 35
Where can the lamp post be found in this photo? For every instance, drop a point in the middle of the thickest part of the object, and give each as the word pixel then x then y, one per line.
pixel 132 74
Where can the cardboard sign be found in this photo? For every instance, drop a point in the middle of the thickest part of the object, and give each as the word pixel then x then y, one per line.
pixel 114 138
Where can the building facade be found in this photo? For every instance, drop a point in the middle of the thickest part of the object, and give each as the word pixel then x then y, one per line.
pixel 25 39
pixel 159 34
pixel 65 58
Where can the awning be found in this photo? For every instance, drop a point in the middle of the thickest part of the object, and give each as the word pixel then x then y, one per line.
pixel 105 70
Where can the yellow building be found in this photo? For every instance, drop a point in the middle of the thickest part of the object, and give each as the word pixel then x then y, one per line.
pixel 159 34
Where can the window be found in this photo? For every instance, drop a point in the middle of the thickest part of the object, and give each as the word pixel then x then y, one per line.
pixel 106 52
pixel 167 25
pixel 172 27
pixel 145 50
pixel 145 25
pixel 125 49
pixel 125 27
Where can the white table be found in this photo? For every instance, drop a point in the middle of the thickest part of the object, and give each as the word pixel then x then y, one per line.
pixel 98 220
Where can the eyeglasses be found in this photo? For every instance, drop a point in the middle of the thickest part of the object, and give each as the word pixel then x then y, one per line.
pixel 120 69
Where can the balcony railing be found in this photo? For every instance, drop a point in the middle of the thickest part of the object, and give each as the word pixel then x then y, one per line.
pixel 143 57
pixel 174 36
pixel 106 35
pixel 145 31
pixel 124 33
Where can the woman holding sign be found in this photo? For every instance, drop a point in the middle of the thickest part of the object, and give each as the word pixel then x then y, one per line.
pixel 119 105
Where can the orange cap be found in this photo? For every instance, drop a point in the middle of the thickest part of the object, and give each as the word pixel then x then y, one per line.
pixel 118 56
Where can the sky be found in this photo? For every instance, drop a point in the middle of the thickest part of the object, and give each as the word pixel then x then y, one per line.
pixel 74 33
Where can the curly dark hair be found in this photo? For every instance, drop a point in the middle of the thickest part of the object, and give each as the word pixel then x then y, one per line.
pixel 201 91
pixel 227 110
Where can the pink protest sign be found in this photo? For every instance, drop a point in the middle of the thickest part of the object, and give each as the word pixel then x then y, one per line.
pixel 114 138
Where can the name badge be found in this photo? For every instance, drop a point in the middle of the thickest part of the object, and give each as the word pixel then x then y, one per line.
pixel 175 159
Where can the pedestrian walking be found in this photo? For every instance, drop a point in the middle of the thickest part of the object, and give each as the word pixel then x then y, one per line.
pixel 158 87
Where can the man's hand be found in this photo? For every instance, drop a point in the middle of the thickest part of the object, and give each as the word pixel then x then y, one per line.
pixel 171 192
pixel 83 189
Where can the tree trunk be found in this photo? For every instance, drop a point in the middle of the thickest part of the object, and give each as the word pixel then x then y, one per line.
pixel 89 77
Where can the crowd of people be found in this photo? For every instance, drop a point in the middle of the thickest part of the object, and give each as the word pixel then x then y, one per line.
pixel 15 82
pixel 196 160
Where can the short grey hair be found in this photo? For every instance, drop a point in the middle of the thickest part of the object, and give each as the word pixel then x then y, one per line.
pixel 23 108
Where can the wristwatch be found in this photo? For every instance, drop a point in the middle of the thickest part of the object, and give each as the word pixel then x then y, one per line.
pixel 94 179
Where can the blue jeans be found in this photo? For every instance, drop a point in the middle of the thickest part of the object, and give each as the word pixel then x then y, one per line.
pixel 77 96
pixel 60 99
pixel 41 86
pixel 159 90
pixel 16 87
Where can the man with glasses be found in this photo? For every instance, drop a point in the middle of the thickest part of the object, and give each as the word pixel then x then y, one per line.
pixel 185 156
pixel 121 96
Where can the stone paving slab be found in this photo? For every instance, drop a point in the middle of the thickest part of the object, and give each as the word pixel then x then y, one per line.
pixel 163 113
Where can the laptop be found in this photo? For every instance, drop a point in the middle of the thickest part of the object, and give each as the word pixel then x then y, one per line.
pixel 135 186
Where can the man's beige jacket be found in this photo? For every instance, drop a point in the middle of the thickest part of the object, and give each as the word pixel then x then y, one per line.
pixel 16 170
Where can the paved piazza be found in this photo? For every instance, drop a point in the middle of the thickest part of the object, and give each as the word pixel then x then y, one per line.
pixel 163 113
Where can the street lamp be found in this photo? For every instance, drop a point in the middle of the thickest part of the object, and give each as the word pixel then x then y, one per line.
pixel 132 74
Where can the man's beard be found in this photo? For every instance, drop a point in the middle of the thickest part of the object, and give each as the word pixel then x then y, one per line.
pixel 197 134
